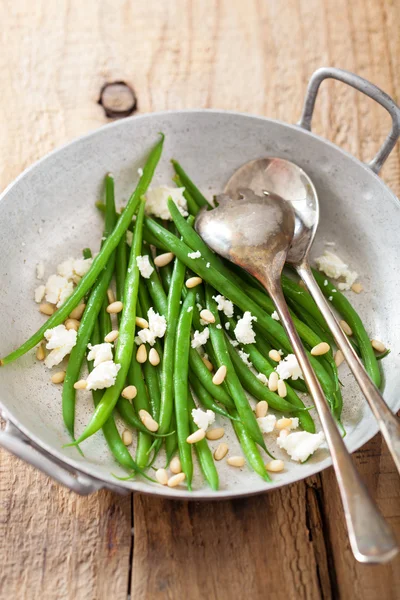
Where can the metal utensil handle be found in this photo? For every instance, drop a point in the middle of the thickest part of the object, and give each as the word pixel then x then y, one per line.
pixel 388 423
pixel 367 88
pixel 370 537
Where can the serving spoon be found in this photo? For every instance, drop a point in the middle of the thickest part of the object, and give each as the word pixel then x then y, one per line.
pixel 255 232
pixel 289 181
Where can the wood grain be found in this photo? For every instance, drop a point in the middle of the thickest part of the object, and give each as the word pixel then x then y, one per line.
pixel 253 56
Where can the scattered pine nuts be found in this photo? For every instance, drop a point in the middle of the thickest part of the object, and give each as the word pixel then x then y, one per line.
pixel 58 377
pixel 274 355
pixel 320 349
pixel 81 384
pixel 378 346
pixel 40 354
pixel 221 451
pixel 141 354
pixel 154 357
pixel 127 437
pixel 175 465
pixel 47 309
pixel 283 423
pixel 197 436
pixel 193 282
pixel 282 391
pixel 357 288
pixel 110 296
pixel 215 434
pixel 112 336
pixel 236 461
pixel 261 409
pixel 176 479
pixel 164 259
pixel 142 323
pixel 207 316
pixel 148 420
pixel 339 358
pixel 219 375
pixel 162 476
pixel 78 311
pixel 208 364
pixel 72 324
pixel 129 392
pixel 273 381
pixel 275 466
pixel 115 307
pixel 346 327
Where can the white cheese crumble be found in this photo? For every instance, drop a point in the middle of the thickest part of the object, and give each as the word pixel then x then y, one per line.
pixel 301 444
pixel 203 418
pixel 39 293
pixel 219 326
pixel 244 330
pixel 227 325
pixel 40 270
pixel 208 265
pixel 58 289
pixel 74 269
pixel 129 238
pixel 225 305
pixel 199 306
pixel 157 201
pixel 140 172
pixel 275 316
pixel 289 368
pixel 267 424
pixel 234 343
pixel 156 329
pixel 100 353
pixel 245 358
pixel 196 254
pixel 144 266
pixel 190 309
pixel 103 376
pixel 263 378
pixel 333 266
pixel 200 337
pixel 60 341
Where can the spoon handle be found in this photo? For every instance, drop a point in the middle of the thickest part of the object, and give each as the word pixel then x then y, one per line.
pixel 388 423
pixel 370 537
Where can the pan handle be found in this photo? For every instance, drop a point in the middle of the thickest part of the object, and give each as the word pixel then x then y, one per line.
pixel 13 440
pixel 367 88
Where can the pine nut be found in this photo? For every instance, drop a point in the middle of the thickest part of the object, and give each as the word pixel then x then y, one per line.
pixel 40 354
pixel 197 436
pixel 346 327
pixel 175 465
pixel 339 358
pixel 282 391
pixel 357 288
pixel 283 423
pixel 215 434
pixel 115 307
pixel 193 282
pixel 208 364
pixel 47 309
pixel 72 324
pixel 275 466
pixel 148 420
pixel 320 349
pixel 273 381
pixel 142 323
pixel 274 355
pixel 378 346
pixel 207 316
pixel 78 311
pixel 154 357
pixel 164 259
pixel 81 384
pixel 141 354
pixel 110 296
pixel 236 461
pixel 129 392
pixel 221 451
pixel 219 375
pixel 261 409
pixel 58 377
pixel 112 336
pixel 176 479
pixel 127 437
pixel 162 476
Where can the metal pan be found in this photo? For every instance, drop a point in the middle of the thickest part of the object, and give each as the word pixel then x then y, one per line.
pixel 47 214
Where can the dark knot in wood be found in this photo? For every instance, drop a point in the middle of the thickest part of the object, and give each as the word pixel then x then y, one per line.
pixel 118 99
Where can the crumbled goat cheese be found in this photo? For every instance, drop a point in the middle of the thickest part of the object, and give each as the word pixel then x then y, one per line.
pixel 60 341
pixel 140 172
pixel 301 444
pixel 200 337
pixel 156 329
pixel 74 269
pixel 129 238
pixel 267 424
pixel 326 282
pixel 219 326
pixel 196 254
pixel 157 201
pixel 225 305
pixel 144 266
pixel 100 353
pixel 39 293
pixel 103 376
pixel 244 330
pixel 199 306
pixel 190 309
pixel 234 343
pixel 263 378
pixel 58 289
pixel 334 267
pixel 203 322
pixel 275 316
pixel 208 265
pixel 330 298
pixel 245 358
pixel 40 270
pixel 203 418
pixel 289 368
pixel 227 325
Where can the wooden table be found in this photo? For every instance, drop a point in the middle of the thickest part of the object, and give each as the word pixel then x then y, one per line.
pixel 253 56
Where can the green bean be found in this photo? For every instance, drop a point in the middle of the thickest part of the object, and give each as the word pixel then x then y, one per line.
pixel 250 449
pixel 189 185
pixel 151 239
pixel 86 253
pixel 99 263
pixel 180 379
pixel 201 371
pixel 191 204
pixel 155 288
pixel 205 397
pixel 301 297
pixel 203 451
pixel 310 321
pixel 171 442
pixel 151 373
pixel 121 266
